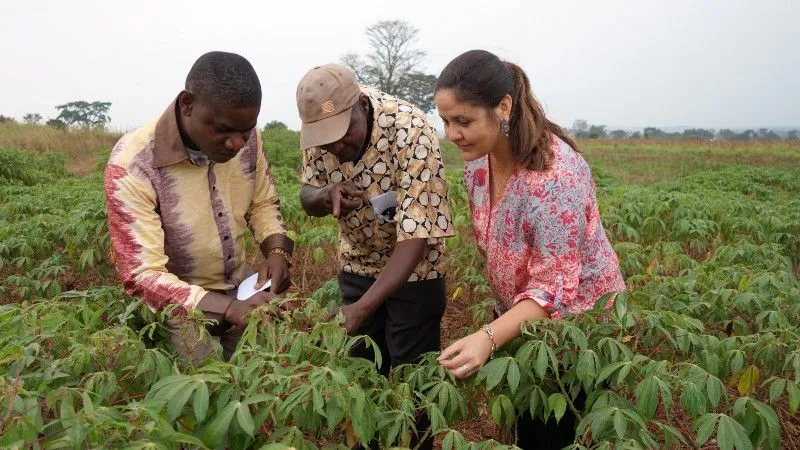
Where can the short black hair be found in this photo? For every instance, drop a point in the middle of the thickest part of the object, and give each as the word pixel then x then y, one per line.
pixel 225 77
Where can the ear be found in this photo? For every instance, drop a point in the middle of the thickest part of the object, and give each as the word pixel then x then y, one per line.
pixel 363 102
pixel 186 102
pixel 504 109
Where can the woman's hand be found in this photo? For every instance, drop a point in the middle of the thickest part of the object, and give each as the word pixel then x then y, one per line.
pixel 468 354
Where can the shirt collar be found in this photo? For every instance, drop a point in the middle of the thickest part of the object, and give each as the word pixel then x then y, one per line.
pixel 169 148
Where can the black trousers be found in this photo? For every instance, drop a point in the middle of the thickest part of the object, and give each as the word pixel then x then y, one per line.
pixel 404 327
pixel 538 434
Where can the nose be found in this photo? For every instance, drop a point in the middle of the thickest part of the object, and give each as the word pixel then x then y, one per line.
pixel 236 142
pixel 451 133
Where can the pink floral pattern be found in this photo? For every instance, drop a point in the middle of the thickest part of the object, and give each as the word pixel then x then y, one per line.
pixel 544 240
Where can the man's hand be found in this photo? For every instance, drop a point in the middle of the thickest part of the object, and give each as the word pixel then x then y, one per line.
pixel 275 268
pixel 354 315
pixel 238 310
pixel 342 198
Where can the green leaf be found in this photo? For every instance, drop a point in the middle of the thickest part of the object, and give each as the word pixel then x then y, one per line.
pixel 737 362
pixel 620 424
pixel 513 375
pixel 647 397
pixel 495 371
pixel 540 366
pixel 185 439
pixel 217 429
pixel 334 413
pixel 705 427
pixel 503 410
pixel 448 441
pixel 587 368
pixel 259 398
pixel 693 400
pixel 557 403
pixel 620 307
pixel 201 402
pixel 245 419
pixel 672 436
pixel 178 398
pixel 606 371
pixel 794 396
pixel 714 390
pixel 776 389
pixel 732 434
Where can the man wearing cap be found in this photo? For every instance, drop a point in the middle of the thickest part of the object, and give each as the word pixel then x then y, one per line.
pixel 359 143
pixel 181 192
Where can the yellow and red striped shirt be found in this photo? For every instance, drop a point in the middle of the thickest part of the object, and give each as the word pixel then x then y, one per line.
pixel 178 229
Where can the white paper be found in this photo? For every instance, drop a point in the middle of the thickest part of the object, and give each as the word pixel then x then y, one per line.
pixel 246 290
pixel 384 201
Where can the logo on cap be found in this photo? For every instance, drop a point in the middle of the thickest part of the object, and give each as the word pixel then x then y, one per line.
pixel 327 106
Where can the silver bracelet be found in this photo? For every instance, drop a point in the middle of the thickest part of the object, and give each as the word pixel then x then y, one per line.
pixel 489 332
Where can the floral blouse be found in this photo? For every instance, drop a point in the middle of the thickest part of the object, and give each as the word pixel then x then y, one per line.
pixel 543 240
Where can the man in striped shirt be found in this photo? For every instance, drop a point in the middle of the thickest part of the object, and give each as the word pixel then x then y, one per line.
pixel 181 192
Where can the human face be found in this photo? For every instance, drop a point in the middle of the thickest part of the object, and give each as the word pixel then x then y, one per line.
pixel 474 129
pixel 351 145
pixel 217 130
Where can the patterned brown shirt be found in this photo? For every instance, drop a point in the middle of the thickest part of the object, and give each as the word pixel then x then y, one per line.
pixel 403 156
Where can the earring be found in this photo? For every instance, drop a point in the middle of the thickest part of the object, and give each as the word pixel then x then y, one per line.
pixel 504 127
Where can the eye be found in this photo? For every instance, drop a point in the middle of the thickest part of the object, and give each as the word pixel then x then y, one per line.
pixel 464 122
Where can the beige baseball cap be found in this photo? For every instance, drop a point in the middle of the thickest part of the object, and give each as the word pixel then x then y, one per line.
pixel 325 96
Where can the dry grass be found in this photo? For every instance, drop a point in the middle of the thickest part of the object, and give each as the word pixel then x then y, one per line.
pixel 645 162
pixel 82 148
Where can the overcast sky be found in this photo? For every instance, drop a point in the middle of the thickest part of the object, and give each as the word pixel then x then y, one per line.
pixel 628 63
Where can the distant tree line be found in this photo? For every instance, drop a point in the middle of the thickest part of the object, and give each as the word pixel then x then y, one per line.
pixel 581 129
pixel 78 114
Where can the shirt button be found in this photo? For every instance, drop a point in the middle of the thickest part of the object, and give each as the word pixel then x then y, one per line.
pixel 219 214
pixel 230 256
pixel 213 188
pixel 225 238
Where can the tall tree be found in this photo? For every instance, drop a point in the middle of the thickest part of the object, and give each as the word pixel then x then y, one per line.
pixel 618 134
pixel 394 65
pixel 85 114
pixel 792 135
pixel 580 129
pixel 698 133
pixel 597 131
pixel 767 134
pixel 726 134
pixel 56 123
pixel 275 125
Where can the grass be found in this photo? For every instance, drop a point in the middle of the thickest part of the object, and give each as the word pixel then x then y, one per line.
pixel 81 147
pixel 641 162
pixel 645 162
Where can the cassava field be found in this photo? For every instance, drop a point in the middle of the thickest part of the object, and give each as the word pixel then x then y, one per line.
pixel 702 352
